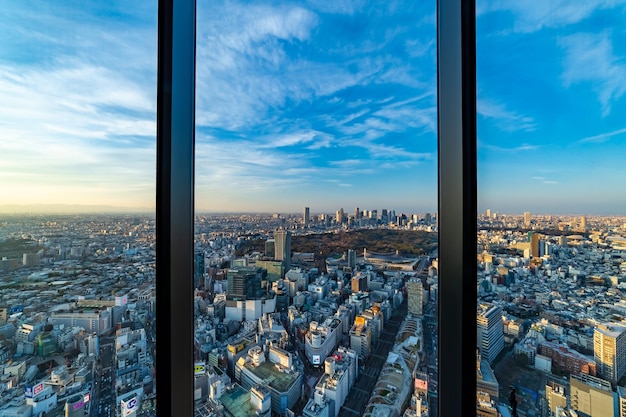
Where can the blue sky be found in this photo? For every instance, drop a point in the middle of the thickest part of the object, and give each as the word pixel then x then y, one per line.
pixel 315 103
pixel 551 106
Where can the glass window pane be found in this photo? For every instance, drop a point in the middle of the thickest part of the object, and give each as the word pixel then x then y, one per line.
pixel 551 205
pixel 316 201
pixel 77 179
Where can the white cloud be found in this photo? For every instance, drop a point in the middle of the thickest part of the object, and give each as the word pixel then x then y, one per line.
pixel 589 58
pixel 506 119
pixel 531 16
pixel 520 148
pixel 603 137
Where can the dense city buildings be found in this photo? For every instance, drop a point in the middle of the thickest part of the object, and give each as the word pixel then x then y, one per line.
pixel 558 282
pixel 272 339
pixel 274 329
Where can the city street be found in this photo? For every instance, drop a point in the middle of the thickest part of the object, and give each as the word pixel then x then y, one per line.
pixel 361 391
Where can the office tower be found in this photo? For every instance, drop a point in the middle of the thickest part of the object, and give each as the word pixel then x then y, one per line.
pixel 533 238
pixel 527 219
pixel 590 395
pixel 198 269
pixel 306 216
pixel 352 260
pixel 415 291
pixel 358 283
pixel 609 350
pixel 489 330
pixel 282 247
pixel 555 396
pixel 583 223
pixel 488 213
pixel 357 213
pixel 339 216
pixel 428 218
pixel 269 248
pixel 244 283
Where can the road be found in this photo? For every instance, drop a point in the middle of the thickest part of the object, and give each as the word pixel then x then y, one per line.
pixel 104 391
pixel 429 326
pixel 361 391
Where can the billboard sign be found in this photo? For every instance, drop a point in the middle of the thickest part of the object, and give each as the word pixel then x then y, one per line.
pixel 31 391
pixel 421 385
pixel 128 407
pixel 199 368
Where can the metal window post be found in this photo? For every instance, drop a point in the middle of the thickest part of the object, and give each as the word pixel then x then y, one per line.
pixel 174 207
pixel 456 79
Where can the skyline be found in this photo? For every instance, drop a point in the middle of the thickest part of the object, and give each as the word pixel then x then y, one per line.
pixel 314 104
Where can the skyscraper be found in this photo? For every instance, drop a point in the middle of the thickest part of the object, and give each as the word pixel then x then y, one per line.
pixel 583 223
pixel 527 219
pixel 282 247
pixel 306 216
pixel 339 216
pixel 609 350
pixel 490 332
pixel 198 269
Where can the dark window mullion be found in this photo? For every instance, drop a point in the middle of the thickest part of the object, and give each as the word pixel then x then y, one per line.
pixel 174 207
pixel 456 81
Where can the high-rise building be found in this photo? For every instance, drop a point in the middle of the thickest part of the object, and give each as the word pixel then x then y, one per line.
pixel 414 293
pixel 306 217
pixel 489 330
pixel 527 219
pixel 583 223
pixel 488 213
pixel 533 238
pixel 282 247
pixel 269 248
pixel 198 269
pixel 357 213
pixel 609 350
pixel 591 396
pixel 352 259
pixel 244 283
pixel 339 216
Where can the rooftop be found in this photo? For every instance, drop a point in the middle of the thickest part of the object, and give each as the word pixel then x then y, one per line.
pixel 269 373
pixel 236 402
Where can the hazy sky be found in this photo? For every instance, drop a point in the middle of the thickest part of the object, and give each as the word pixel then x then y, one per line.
pixel 324 104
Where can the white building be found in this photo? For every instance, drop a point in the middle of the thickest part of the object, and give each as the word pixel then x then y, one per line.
pixel 489 330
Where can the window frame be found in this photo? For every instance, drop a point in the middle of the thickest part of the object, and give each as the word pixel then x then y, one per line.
pixel 456 114
pixel 175 206
pixel 456 87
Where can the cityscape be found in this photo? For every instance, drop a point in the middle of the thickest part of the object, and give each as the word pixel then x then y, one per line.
pixel 279 332
pixel 329 310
